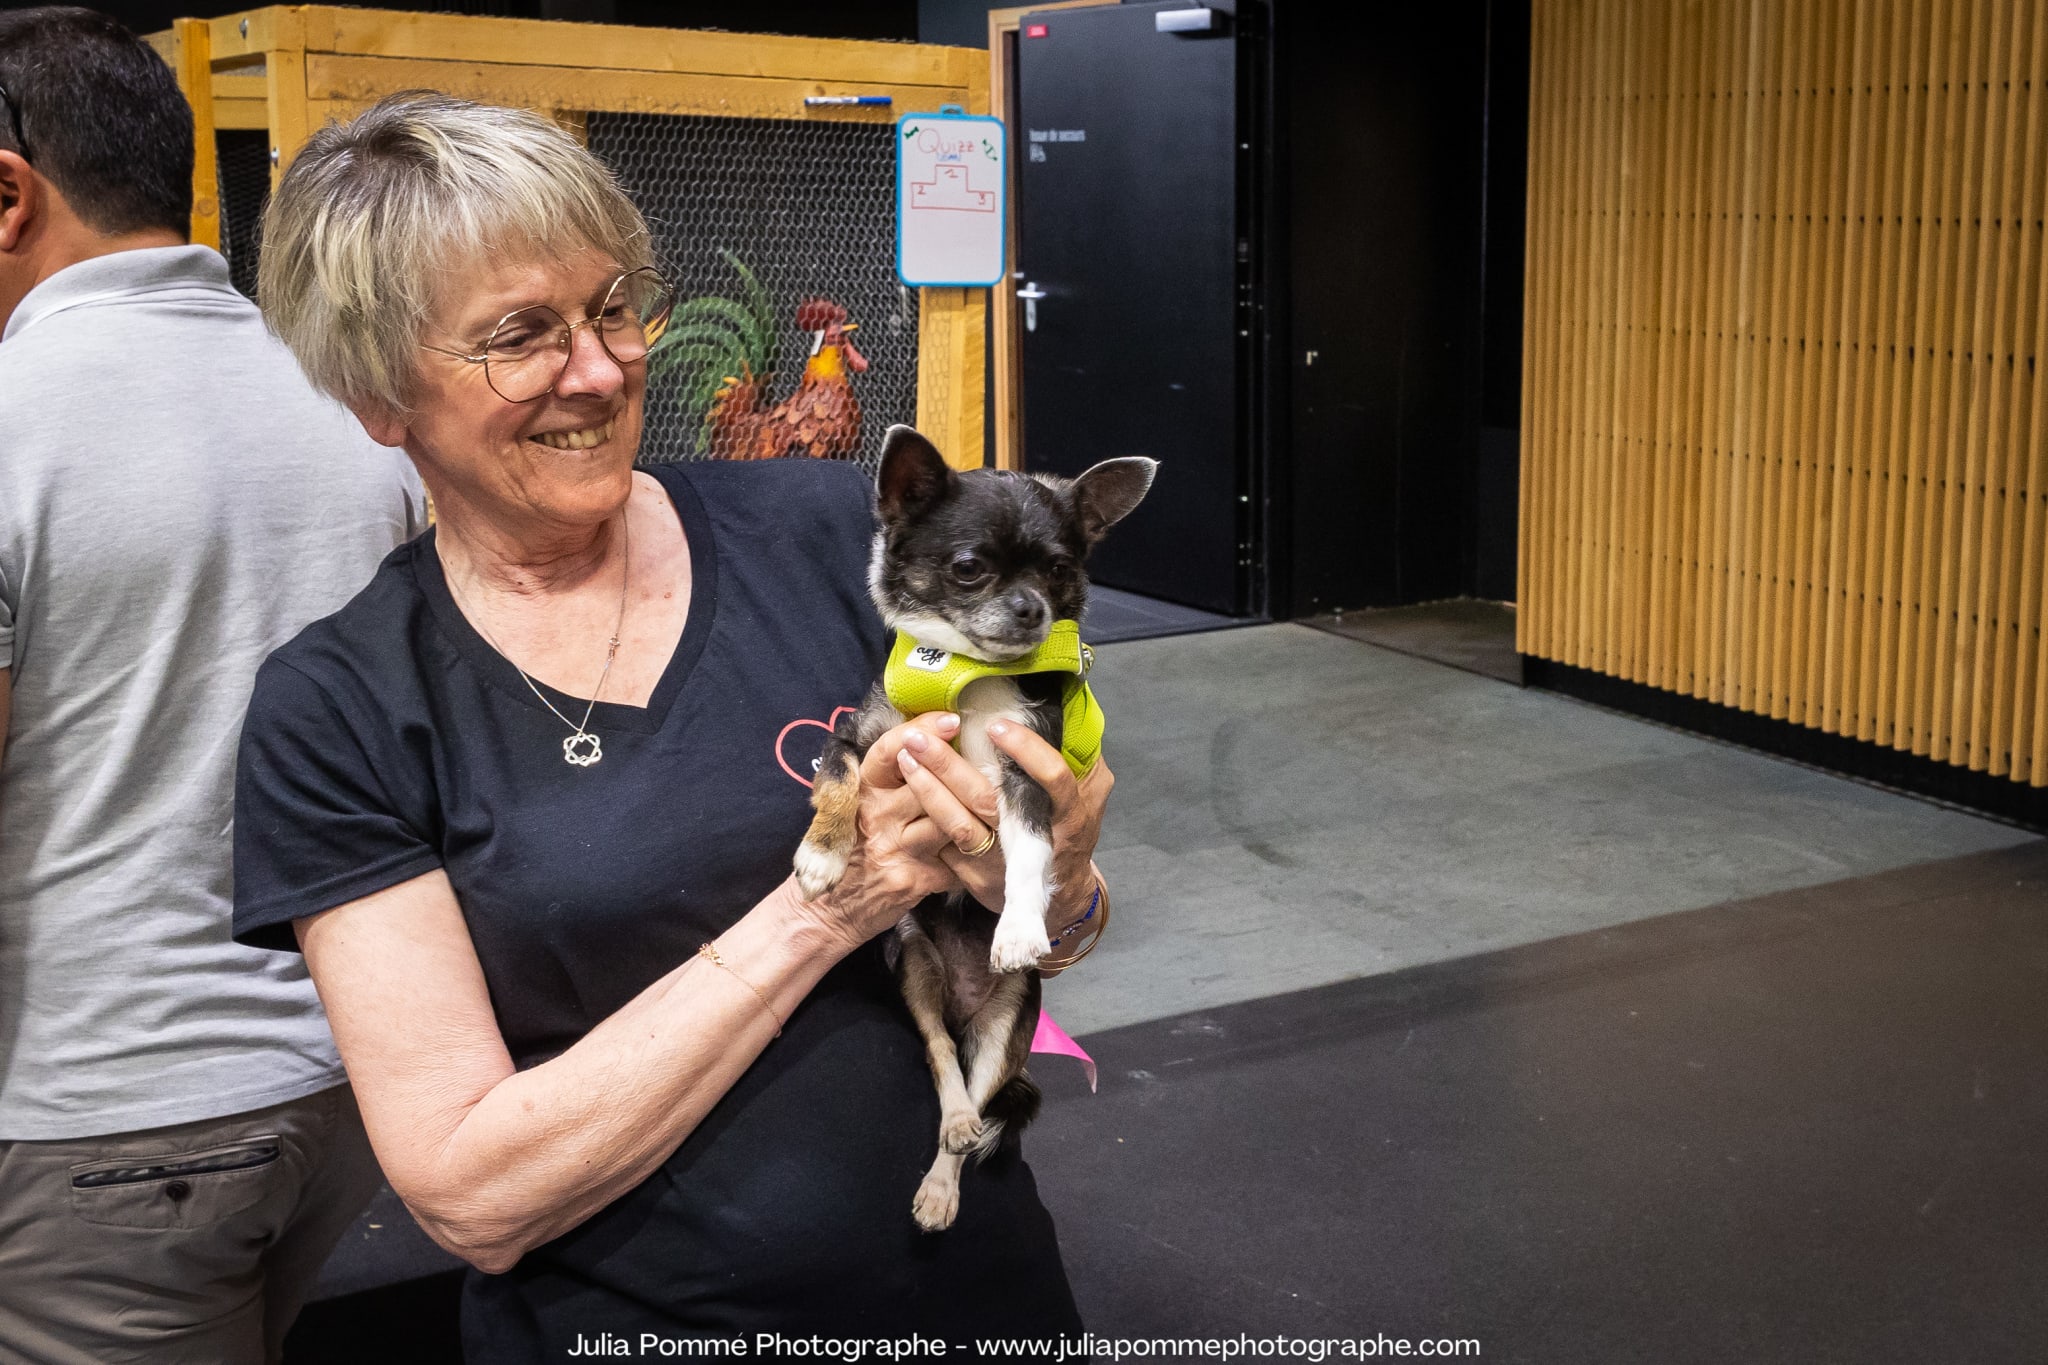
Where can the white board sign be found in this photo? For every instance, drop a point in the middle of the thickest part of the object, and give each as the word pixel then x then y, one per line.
pixel 950 214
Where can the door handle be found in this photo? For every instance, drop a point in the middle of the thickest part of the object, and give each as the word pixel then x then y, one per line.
pixel 1031 294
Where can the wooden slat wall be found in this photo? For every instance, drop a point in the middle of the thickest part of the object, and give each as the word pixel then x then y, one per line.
pixel 1783 431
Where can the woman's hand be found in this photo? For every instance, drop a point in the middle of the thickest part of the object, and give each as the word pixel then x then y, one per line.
pixel 959 802
pixel 895 863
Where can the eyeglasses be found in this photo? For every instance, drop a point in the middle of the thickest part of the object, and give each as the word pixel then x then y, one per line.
pixel 527 351
pixel 14 123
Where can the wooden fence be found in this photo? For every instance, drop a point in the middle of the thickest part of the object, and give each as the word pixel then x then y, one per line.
pixel 286 70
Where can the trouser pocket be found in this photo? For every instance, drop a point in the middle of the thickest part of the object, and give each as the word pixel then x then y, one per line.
pixel 179 1189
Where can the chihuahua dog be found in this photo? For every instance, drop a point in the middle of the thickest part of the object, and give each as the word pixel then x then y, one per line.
pixel 980 564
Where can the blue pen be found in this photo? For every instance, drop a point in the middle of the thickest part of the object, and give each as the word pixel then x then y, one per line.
pixel 815 100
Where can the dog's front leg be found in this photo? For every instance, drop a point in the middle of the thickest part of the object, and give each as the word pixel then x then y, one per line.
pixel 822 857
pixel 828 845
pixel 1024 823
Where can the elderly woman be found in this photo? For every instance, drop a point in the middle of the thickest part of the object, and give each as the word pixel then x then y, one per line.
pixel 526 808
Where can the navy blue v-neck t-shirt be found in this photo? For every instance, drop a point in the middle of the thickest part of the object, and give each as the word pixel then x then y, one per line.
pixel 390 739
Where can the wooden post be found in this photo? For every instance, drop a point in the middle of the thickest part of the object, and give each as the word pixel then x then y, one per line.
pixel 952 340
pixel 950 354
pixel 284 77
pixel 574 122
pixel 191 59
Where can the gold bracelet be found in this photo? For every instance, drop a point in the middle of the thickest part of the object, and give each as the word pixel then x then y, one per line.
pixel 707 951
pixel 1096 915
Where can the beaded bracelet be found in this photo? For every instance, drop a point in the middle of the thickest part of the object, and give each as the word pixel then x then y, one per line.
pixel 707 951
pixel 1096 915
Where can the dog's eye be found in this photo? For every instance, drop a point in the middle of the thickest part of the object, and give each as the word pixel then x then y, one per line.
pixel 968 569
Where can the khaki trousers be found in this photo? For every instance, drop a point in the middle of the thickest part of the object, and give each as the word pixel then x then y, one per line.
pixel 196 1242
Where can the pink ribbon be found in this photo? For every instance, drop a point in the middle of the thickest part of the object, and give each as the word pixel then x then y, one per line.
pixel 1052 1038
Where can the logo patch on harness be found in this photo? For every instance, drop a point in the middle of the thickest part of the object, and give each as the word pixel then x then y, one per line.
pixel 925 659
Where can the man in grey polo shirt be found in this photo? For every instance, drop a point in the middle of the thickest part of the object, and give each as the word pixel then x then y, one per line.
pixel 178 1149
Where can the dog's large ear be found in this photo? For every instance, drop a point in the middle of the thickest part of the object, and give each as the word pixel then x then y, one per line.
pixel 1105 494
pixel 914 474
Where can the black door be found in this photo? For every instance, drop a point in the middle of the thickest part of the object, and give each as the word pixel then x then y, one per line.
pixel 1129 258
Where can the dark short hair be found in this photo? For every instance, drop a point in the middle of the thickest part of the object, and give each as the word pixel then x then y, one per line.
pixel 103 117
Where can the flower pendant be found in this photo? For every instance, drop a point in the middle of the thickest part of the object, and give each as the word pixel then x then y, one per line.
pixel 582 749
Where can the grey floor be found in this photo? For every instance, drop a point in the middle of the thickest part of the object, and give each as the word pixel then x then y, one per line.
pixel 1304 822
pixel 1294 809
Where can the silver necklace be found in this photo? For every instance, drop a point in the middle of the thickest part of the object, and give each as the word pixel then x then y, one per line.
pixel 584 748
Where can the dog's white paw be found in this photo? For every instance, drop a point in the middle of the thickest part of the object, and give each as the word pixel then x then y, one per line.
pixel 938 1200
pixel 1019 943
pixel 959 1133
pixel 818 870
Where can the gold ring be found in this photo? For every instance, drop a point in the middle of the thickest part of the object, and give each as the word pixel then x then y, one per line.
pixel 984 846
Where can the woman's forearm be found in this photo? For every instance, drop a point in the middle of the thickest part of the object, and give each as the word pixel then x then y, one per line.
pixel 494 1161
pixel 544 1149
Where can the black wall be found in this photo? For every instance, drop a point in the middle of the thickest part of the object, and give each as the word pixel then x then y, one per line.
pixel 1395 142
pixel 958 23
pixel 1497 515
pixel 1403 145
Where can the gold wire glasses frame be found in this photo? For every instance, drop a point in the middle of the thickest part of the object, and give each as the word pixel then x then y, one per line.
pixel 525 354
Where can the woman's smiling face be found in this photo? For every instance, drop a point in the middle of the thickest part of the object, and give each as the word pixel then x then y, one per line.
pixel 563 460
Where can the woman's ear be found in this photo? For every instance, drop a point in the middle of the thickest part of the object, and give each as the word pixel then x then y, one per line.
pixel 383 426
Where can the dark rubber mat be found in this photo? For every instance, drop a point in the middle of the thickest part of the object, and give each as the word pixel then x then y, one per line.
pixel 1807 1127
pixel 409 1322
pixel 1476 636
pixel 1115 615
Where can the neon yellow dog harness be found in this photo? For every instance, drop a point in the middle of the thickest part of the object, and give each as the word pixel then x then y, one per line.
pixel 920 678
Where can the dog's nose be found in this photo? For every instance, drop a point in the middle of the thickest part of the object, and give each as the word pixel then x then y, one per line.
pixel 1027 608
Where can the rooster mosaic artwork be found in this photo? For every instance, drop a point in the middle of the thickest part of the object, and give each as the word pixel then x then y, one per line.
pixel 725 351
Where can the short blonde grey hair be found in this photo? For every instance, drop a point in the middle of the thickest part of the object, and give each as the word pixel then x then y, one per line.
pixel 374 213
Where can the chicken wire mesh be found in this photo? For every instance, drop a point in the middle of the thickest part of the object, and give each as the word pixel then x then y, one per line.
pixel 243 157
pixel 807 209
